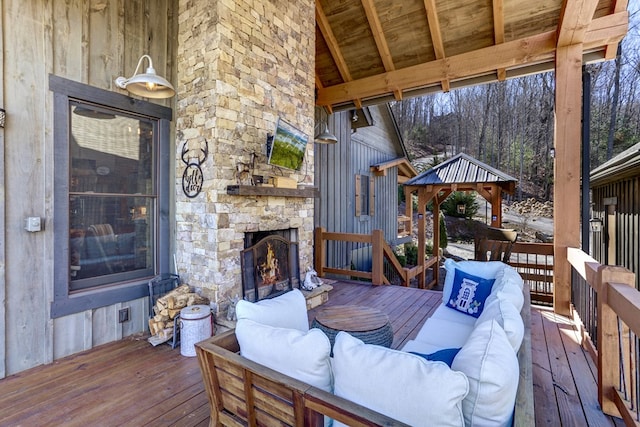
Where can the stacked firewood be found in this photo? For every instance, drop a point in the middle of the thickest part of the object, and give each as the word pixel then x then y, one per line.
pixel 168 307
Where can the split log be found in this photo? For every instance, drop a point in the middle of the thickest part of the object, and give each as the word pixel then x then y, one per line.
pixel 182 289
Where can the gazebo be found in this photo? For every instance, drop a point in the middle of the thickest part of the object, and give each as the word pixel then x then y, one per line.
pixel 460 173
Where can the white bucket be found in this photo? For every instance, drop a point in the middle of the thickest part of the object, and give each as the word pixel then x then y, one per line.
pixel 195 326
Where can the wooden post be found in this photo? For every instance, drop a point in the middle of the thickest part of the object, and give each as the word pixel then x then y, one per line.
pixel 496 206
pixel 422 210
pixel 408 207
pixel 377 272
pixel 566 201
pixel 320 251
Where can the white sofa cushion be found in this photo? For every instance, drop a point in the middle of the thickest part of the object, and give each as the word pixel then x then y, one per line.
pixel 503 312
pixel 484 269
pixel 450 315
pixel 469 293
pixel 414 346
pixel 288 310
pixel 508 286
pixel 397 384
pixel 443 333
pixel 491 367
pixel 300 355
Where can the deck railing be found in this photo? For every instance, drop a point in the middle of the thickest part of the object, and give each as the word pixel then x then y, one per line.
pixel 363 256
pixel 534 262
pixel 606 298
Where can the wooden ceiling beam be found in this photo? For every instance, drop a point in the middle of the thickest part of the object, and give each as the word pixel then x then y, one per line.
pixel 575 18
pixel 530 50
pixel 436 36
pixel 378 34
pixel 498 31
pixel 612 49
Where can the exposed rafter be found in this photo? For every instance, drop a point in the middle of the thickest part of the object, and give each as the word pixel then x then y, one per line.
pixel 332 43
pixel 436 36
pixel 378 34
pixel 498 31
pixel 510 55
pixel 372 51
pixel 381 42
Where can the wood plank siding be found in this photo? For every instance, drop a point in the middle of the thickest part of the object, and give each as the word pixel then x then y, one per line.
pixel 87 42
pixel 131 383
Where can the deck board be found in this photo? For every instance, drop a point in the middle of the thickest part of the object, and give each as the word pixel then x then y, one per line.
pixel 131 383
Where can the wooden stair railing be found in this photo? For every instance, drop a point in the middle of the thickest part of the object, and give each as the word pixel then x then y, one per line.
pixel 381 251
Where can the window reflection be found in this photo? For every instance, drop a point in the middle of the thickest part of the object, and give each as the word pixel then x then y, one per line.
pixel 112 197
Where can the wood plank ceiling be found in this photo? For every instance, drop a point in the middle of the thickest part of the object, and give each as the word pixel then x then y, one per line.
pixel 374 51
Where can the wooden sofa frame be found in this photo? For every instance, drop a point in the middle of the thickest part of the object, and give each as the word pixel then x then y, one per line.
pixel 244 393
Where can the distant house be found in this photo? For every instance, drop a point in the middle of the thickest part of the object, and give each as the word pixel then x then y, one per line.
pixel 358 178
pixel 615 219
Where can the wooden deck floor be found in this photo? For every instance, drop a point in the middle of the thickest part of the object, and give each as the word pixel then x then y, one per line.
pixel 131 383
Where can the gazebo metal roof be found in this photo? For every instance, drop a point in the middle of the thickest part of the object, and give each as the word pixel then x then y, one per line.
pixel 460 173
pixel 464 169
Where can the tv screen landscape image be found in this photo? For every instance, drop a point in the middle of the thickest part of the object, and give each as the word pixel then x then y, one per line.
pixel 288 146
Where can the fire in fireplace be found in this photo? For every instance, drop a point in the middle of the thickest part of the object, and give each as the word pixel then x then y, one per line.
pixel 270 266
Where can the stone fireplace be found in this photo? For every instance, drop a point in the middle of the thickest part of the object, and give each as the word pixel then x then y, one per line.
pixel 243 74
pixel 270 264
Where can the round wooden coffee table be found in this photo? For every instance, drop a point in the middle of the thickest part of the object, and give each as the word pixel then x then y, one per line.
pixel 365 323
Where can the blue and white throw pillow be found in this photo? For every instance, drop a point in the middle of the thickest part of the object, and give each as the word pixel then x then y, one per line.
pixel 469 293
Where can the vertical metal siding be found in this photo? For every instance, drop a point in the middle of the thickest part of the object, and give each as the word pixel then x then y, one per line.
pixel 627 223
pixel 335 169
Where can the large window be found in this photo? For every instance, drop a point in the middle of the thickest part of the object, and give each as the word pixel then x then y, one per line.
pixel 111 165
pixel 112 196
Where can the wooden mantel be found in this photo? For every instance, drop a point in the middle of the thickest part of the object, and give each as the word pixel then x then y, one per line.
pixel 254 190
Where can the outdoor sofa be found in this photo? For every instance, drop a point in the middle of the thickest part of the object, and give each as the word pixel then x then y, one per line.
pixel 272 369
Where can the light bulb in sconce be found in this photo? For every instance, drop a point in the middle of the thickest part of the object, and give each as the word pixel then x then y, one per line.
pixel 149 84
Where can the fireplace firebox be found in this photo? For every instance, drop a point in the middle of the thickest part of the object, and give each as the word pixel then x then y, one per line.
pixel 270 267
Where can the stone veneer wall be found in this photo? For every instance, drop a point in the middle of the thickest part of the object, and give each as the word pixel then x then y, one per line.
pixel 241 64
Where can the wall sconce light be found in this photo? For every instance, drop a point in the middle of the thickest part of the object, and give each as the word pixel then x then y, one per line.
pixel 461 208
pixel 595 224
pixel 552 153
pixel 149 84
pixel 3 117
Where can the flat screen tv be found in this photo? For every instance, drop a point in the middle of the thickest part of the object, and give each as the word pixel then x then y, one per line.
pixel 287 147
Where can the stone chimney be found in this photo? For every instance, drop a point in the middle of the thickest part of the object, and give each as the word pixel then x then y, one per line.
pixel 241 65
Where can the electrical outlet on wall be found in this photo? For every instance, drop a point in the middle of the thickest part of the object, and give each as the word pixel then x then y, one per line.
pixel 123 315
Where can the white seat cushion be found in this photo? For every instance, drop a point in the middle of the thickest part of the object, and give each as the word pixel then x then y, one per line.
pixel 300 355
pixel 444 334
pixel 450 315
pixel 285 311
pixel 400 385
pixel 491 366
